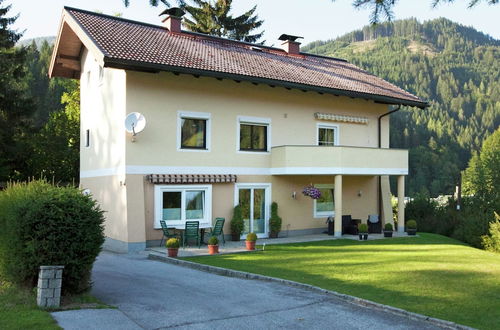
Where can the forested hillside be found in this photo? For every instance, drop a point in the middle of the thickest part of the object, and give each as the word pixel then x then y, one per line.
pixel 455 68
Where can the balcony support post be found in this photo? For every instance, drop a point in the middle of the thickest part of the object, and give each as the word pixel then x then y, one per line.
pixel 338 206
pixel 401 204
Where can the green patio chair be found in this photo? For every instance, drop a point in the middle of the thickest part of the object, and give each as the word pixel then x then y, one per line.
pixel 167 232
pixel 217 229
pixel 191 231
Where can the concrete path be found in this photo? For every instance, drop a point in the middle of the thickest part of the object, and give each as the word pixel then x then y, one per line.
pixel 155 295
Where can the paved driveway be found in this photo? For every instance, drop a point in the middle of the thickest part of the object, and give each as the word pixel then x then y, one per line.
pixel 155 295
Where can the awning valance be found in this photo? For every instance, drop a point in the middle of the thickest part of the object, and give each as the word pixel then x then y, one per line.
pixel 341 118
pixel 191 178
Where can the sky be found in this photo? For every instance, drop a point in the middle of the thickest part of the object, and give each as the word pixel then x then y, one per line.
pixel 311 19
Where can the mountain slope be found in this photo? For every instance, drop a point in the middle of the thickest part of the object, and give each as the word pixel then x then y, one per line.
pixel 455 68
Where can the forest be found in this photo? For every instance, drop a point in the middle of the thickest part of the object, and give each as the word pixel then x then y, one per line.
pixel 453 67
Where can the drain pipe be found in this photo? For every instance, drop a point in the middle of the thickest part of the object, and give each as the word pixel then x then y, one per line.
pixel 380 146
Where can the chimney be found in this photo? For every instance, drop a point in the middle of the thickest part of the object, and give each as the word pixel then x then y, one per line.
pixel 174 19
pixel 290 45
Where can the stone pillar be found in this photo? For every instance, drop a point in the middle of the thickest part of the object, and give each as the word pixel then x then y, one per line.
pixel 401 204
pixel 338 206
pixel 49 286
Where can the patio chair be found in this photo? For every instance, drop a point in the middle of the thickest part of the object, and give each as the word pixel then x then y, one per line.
pixel 167 232
pixel 374 224
pixel 349 226
pixel 217 229
pixel 191 231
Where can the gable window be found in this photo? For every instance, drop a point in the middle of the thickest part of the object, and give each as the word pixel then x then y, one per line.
pixel 178 204
pixel 253 134
pixel 328 135
pixel 193 131
pixel 325 205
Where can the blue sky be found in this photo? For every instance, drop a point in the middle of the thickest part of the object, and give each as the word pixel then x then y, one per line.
pixel 312 19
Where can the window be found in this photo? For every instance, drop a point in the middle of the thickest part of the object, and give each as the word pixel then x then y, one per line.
pixel 324 206
pixel 327 135
pixel 178 204
pixel 193 131
pixel 87 138
pixel 253 134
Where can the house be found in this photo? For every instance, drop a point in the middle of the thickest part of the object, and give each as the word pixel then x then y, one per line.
pixel 227 123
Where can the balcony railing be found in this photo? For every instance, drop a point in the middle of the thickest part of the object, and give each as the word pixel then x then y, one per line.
pixel 289 160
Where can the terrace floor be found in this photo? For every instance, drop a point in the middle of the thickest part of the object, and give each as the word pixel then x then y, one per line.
pixel 239 247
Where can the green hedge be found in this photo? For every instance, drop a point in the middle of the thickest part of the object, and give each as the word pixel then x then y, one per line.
pixel 44 224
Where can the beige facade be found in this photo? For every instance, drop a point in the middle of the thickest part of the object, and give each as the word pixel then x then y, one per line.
pixel 113 167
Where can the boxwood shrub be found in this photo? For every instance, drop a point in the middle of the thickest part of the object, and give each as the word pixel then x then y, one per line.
pixel 43 224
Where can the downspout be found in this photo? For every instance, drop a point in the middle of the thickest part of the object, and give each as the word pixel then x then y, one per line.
pixel 380 146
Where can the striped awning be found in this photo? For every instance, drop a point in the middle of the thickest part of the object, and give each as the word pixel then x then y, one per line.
pixel 341 118
pixel 191 178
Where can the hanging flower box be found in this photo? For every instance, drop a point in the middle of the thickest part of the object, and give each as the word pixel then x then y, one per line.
pixel 312 192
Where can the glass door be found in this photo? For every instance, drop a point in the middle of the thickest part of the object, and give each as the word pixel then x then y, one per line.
pixel 254 207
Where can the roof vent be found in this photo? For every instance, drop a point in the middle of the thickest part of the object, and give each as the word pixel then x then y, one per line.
pixel 255 48
pixel 174 19
pixel 290 45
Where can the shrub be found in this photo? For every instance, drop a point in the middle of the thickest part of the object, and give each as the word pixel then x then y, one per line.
pixel 388 227
pixel 237 221
pixel 491 242
pixel 213 241
pixel 473 222
pixel 411 224
pixel 44 224
pixel 275 220
pixel 363 228
pixel 173 243
pixel 252 237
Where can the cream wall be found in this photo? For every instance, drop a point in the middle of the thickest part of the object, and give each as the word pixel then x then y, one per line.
pixel 160 96
pixel 297 214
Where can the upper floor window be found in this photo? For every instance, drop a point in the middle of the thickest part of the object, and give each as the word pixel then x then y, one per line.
pixel 328 135
pixel 193 131
pixel 254 134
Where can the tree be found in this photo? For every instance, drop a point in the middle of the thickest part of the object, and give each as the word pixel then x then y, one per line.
pixel 15 106
pixel 213 18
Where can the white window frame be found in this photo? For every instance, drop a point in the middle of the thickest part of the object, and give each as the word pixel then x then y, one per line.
pixel 335 128
pixel 317 215
pixel 158 203
pixel 194 115
pixel 87 138
pixel 257 121
pixel 268 194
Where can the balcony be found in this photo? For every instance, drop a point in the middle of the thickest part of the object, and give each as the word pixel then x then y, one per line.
pixel 320 160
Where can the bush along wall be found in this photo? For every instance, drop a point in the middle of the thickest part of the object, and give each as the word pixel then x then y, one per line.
pixel 43 224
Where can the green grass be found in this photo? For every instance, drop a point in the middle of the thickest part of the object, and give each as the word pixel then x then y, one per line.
pixel 431 274
pixel 18 310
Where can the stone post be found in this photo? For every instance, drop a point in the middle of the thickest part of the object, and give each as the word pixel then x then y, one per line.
pixel 49 286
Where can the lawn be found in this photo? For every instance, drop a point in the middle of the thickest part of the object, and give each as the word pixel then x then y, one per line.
pixel 431 274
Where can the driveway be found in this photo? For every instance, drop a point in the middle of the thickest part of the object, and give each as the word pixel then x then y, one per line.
pixel 154 295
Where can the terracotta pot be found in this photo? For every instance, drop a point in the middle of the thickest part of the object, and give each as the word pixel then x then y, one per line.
pixel 250 245
pixel 213 249
pixel 172 252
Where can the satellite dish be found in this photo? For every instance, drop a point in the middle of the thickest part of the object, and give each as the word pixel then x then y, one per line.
pixel 135 123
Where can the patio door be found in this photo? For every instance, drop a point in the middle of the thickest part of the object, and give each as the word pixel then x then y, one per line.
pixel 254 202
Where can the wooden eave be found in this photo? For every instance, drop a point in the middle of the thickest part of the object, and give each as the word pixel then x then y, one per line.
pixel 68 49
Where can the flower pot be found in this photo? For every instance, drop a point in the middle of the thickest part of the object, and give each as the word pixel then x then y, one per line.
pixel 274 234
pixel 411 232
pixel 387 233
pixel 235 237
pixel 365 237
pixel 172 252
pixel 250 245
pixel 360 237
pixel 213 249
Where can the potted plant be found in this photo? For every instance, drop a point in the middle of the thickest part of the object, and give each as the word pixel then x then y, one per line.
pixel 411 227
pixel 311 191
pixel 213 245
pixel 388 230
pixel 172 247
pixel 236 223
pixel 363 231
pixel 250 242
pixel 274 221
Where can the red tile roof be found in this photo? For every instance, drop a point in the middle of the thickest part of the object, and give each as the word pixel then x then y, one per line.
pixel 129 44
